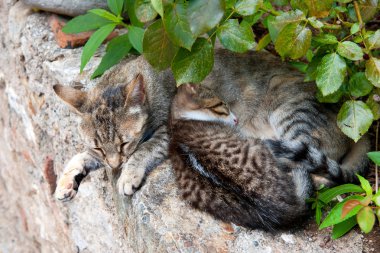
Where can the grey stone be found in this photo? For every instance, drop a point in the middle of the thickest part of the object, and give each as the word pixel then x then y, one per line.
pixel 35 127
pixel 67 7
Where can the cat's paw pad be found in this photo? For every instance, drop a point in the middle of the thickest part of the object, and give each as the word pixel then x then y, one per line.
pixel 66 189
pixel 129 181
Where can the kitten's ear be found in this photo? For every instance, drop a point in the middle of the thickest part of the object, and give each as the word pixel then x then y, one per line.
pixel 135 91
pixel 190 88
pixel 73 97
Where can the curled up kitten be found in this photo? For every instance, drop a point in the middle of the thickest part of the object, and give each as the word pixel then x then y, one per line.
pixel 248 181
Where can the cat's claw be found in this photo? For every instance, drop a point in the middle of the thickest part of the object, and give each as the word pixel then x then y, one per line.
pixel 66 188
pixel 129 181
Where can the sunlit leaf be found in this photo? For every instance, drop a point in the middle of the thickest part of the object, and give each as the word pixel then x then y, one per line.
pixel 372 71
pixel 329 194
pixel 94 42
pixel 373 103
pixel 366 219
pixel 354 119
pixel 116 50
pixel 105 14
pixel 348 206
pixel 375 157
pixel 263 42
pixel 236 37
pixel 204 15
pixel 136 35
pixel 158 6
pixel 144 10
pixel 84 23
pixel 318 8
pixel 177 25
pixel 355 28
pixel 350 50
pixel 331 73
pixel 248 7
pixel 293 41
pixel 326 38
pixel 116 6
pixel 373 41
pixel 335 215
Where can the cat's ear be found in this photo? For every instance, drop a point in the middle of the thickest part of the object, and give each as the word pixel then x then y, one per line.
pixel 73 97
pixel 135 91
pixel 190 88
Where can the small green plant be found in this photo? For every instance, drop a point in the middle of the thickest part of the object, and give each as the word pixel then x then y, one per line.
pixel 360 208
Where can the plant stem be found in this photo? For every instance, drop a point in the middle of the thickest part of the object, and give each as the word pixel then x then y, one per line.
pixel 213 34
pixel 359 16
pixel 376 148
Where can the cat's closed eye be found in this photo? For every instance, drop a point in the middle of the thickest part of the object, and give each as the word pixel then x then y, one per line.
pixel 99 151
pixel 123 145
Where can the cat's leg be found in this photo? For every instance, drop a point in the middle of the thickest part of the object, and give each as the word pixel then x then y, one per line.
pixel 147 156
pixel 74 172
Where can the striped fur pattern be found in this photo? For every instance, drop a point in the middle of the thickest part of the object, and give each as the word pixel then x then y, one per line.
pixel 272 101
pixel 124 127
pixel 249 181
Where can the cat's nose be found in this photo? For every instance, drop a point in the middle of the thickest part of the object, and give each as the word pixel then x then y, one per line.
pixel 236 121
pixel 114 161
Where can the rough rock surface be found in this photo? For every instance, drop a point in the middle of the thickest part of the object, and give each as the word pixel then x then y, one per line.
pixel 67 7
pixel 38 135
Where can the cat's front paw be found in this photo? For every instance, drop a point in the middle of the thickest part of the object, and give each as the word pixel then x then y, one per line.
pixel 130 179
pixel 67 188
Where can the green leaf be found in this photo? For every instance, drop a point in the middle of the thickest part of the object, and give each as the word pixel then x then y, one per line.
pixel 116 6
pixel 315 22
pixel 144 10
pixel 355 28
pixel 84 23
pixel 331 98
pixel 248 7
pixel 263 42
pixel 318 214
pixel 329 194
pixel 366 219
pixel 311 71
pixel 136 35
pixel 375 157
pixel 193 66
pixel 269 22
pixel 373 41
pixel 354 119
pixel 299 4
pixel 286 18
pixel 105 14
pixel 318 8
pixel 359 85
pixel 372 71
pixel 342 228
pixel 116 50
pixel 326 38
pixel 331 73
pixel 335 215
pixel 236 37
pixel 376 197
pixel 300 66
pixel 293 41
pixel 158 6
pixel 177 25
pixel 132 14
pixel 365 184
pixel 94 42
pixel 377 211
pixel 350 50
pixel 159 51
pixel 252 19
pixel 230 3
pixel 204 15
pixel 373 103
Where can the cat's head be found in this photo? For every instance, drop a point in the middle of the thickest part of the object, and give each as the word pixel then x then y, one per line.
pixel 196 102
pixel 114 118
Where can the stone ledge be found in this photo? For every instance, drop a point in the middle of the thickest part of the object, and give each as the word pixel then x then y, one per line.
pixel 39 134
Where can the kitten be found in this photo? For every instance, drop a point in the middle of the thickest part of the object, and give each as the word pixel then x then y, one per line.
pixel 272 101
pixel 248 181
pixel 123 125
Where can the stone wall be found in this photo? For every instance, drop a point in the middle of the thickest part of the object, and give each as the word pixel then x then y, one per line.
pixel 38 135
